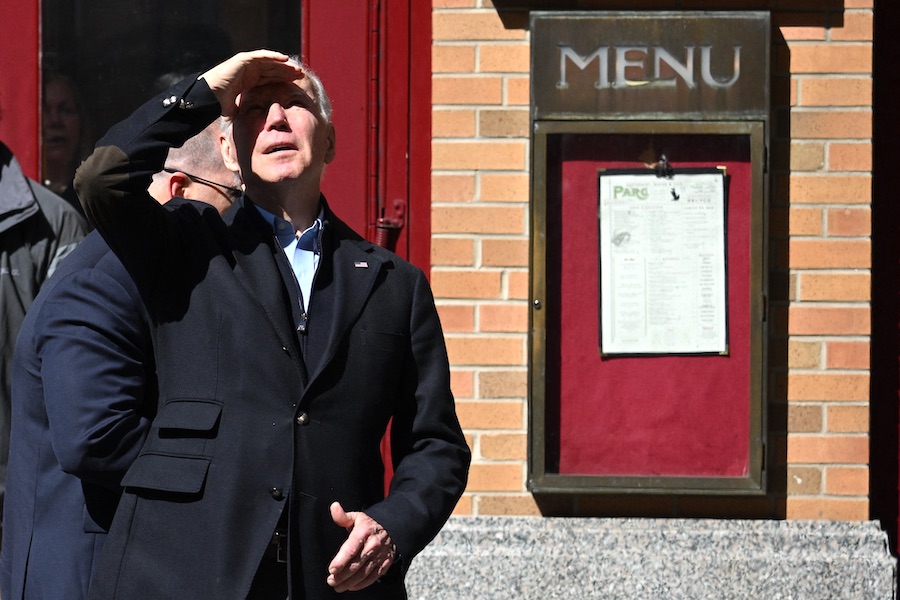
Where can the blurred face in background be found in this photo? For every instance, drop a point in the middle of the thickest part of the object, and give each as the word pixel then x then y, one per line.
pixel 61 130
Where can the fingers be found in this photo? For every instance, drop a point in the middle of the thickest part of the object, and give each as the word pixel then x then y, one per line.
pixel 250 66
pixel 246 70
pixel 364 571
pixel 264 67
pixel 366 556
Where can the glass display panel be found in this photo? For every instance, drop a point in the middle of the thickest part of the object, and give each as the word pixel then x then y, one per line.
pixel 103 58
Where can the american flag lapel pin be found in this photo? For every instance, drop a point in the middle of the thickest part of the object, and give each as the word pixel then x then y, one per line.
pixel 361 264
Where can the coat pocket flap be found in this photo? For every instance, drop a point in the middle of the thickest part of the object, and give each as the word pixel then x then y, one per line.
pixel 189 414
pixel 384 340
pixel 165 473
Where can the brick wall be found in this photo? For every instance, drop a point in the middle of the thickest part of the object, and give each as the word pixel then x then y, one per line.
pixel 479 251
pixel 819 241
pixel 821 205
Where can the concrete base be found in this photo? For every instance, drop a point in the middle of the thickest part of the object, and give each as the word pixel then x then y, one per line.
pixel 494 558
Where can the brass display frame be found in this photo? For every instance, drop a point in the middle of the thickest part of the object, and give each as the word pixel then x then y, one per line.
pixel 539 480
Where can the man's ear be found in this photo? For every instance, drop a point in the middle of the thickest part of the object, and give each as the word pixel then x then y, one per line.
pixel 229 156
pixel 329 154
pixel 178 183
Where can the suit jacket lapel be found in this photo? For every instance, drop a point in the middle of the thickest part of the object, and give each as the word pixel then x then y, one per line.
pixel 257 267
pixel 341 291
pixel 343 284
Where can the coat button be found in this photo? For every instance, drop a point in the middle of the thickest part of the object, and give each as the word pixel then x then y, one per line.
pixel 276 493
pixel 302 419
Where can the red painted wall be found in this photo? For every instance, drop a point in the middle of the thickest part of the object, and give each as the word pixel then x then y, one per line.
pixel 19 81
pixel 378 74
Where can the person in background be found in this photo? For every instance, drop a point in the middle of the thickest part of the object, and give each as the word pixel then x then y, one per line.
pixel 64 135
pixel 37 230
pixel 285 344
pixel 84 357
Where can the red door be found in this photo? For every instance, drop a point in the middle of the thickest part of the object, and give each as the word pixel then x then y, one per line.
pixel 19 81
pixel 375 58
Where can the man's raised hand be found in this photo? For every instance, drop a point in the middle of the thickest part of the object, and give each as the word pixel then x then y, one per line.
pixel 245 70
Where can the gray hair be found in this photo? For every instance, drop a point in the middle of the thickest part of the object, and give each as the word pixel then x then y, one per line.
pixel 318 88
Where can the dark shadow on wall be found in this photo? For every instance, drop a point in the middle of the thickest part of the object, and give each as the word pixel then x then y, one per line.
pixel 885 345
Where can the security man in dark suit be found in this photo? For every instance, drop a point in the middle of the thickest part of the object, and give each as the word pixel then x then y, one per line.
pixel 84 361
pixel 285 344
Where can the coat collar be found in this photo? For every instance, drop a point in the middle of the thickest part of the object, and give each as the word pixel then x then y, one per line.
pixel 344 281
pixel 253 248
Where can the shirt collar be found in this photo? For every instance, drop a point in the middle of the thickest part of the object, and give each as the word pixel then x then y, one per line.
pixel 284 230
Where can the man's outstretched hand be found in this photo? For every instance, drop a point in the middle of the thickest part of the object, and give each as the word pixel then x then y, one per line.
pixel 247 70
pixel 367 554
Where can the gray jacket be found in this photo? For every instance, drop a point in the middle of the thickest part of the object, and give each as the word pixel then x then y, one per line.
pixel 37 230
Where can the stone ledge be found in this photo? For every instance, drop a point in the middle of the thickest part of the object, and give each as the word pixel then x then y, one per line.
pixel 493 558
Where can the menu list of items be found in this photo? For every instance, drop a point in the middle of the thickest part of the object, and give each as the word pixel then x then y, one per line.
pixel 662 263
